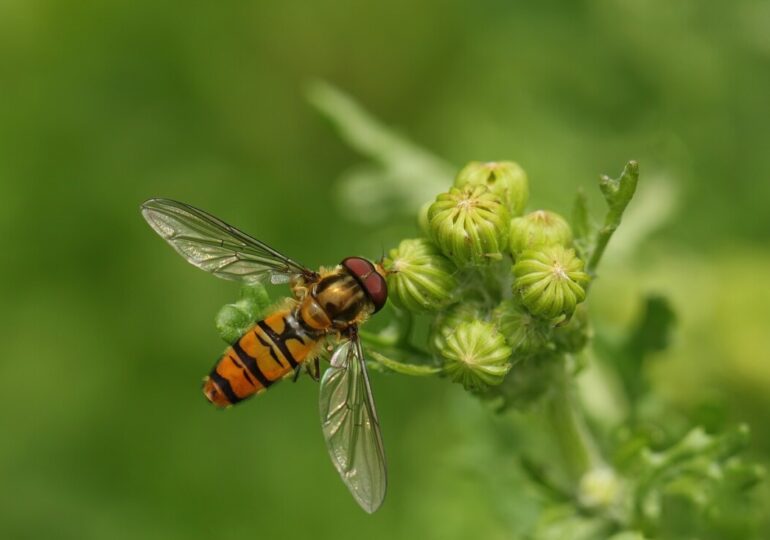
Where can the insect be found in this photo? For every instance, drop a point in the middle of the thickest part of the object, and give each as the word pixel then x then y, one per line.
pixel 328 304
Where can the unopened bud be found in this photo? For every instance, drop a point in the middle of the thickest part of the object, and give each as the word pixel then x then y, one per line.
pixel 550 282
pixel 446 322
pixel 419 277
pixel 506 178
pixel 525 333
pixel 470 225
pixel 476 355
pixel 538 229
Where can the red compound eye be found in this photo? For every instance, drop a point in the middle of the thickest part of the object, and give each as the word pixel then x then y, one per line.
pixel 377 288
pixel 360 268
pixel 372 282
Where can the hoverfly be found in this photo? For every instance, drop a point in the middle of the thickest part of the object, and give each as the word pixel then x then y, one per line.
pixel 325 304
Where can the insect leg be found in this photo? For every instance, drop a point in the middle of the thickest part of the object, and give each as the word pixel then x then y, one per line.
pixel 297 371
pixel 315 370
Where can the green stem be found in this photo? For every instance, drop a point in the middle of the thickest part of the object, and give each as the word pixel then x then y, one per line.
pixel 602 239
pixel 387 342
pixel 404 322
pixel 577 446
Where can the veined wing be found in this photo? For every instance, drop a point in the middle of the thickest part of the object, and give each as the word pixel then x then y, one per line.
pixel 351 427
pixel 214 246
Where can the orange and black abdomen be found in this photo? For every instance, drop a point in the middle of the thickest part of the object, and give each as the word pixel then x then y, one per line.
pixel 268 351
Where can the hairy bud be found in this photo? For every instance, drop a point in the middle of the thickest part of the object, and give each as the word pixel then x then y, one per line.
pixel 550 281
pixel 538 229
pixel 447 321
pixel 419 277
pixel 505 178
pixel 525 333
pixel 469 224
pixel 476 355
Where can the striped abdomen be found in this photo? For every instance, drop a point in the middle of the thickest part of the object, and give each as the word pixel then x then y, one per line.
pixel 263 355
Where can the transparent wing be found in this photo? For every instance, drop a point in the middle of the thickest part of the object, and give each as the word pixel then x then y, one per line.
pixel 351 428
pixel 214 246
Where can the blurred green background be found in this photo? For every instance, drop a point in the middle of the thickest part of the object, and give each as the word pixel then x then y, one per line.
pixel 106 333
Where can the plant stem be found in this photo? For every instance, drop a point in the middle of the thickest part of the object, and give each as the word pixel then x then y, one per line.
pixel 578 448
pixel 387 342
pixel 602 239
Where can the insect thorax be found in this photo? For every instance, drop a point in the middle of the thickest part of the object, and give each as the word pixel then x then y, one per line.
pixel 335 301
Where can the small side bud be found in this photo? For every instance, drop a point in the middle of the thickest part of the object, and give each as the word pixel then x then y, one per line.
pixel 419 277
pixel 537 229
pixel 600 488
pixel 550 282
pixel 422 218
pixel 505 178
pixel 525 333
pixel 476 355
pixel 469 224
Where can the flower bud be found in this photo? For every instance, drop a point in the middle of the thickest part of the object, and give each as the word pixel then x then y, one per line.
pixel 525 333
pixel 599 488
pixel 476 355
pixel 422 218
pixel 419 277
pixel 505 178
pixel 469 224
pixel 447 321
pixel 537 229
pixel 550 281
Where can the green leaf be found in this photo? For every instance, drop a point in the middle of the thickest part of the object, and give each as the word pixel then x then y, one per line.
pixel 255 298
pixel 561 522
pixel 617 193
pixel 233 320
pixel 539 475
pixel 699 483
pixel 400 177
pixel 582 228
pixel 628 535
pixel 650 334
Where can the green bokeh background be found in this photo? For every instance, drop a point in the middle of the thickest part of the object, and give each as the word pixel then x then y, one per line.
pixel 105 333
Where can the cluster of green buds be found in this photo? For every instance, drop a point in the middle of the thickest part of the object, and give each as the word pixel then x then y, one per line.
pixel 500 283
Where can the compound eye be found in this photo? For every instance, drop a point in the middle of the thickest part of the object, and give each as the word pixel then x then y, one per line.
pixel 377 288
pixel 372 282
pixel 359 267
